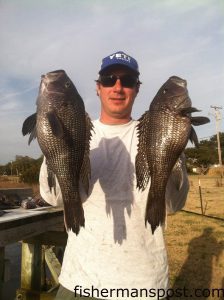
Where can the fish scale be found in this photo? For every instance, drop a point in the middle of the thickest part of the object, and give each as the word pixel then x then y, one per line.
pixel 63 130
pixel 163 133
pixel 166 143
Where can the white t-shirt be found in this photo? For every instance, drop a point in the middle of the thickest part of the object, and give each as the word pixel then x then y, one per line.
pixel 115 250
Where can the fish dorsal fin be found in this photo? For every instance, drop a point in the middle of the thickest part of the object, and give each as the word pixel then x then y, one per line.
pixel 193 137
pixel 55 124
pixel 141 162
pixel 196 121
pixel 29 127
pixel 85 171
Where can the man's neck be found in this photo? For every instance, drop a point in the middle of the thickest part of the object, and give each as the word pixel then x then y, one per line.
pixel 114 121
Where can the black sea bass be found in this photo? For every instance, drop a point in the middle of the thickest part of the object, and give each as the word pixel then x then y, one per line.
pixel 63 131
pixel 164 131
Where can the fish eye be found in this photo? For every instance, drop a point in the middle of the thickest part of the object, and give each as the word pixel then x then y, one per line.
pixel 164 91
pixel 67 84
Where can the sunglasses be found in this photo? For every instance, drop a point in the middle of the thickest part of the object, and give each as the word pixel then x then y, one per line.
pixel 127 80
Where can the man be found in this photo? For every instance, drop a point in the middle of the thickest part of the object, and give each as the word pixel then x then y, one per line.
pixel 115 256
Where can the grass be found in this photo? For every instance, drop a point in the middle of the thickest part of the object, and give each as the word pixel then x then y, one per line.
pixel 195 254
pixel 195 243
pixel 212 195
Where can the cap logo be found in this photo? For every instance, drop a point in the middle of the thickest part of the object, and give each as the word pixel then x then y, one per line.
pixel 121 56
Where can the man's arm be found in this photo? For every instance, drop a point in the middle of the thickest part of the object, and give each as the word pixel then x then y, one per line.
pixel 52 197
pixel 177 187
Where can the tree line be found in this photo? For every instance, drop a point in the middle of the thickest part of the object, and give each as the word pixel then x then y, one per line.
pixel 25 167
pixel 205 155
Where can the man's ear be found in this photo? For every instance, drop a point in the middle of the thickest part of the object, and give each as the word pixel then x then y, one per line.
pixel 137 88
pixel 98 89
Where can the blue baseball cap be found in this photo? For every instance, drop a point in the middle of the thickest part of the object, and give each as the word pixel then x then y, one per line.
pixel 119 58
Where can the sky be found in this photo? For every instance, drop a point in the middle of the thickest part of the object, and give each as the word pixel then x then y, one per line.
pixel 167 37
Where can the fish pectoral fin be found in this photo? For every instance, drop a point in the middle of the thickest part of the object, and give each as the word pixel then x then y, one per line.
pixel 193 137
pixel 51 179
pixel 196 121
pixel 55 124
pixel 29 127
pixel 177 176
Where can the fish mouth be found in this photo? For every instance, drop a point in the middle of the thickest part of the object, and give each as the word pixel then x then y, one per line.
pixel 179 81
pixel 53 76
pixel 49 78
pixel 44 87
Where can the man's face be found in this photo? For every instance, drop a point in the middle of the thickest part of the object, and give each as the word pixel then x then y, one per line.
pixel 116 100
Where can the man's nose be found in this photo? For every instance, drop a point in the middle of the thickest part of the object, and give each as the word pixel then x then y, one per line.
pixel 118 85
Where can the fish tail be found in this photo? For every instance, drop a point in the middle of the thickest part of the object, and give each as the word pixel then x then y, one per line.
pixel 74 213
pixel 155 211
